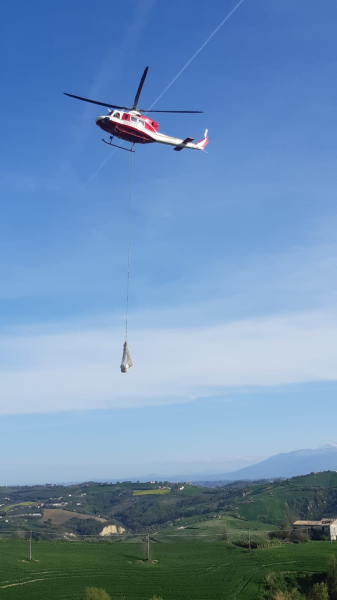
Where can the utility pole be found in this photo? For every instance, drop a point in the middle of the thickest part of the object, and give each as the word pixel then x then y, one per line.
pixel 148 546
pixel 249 546
pixel 30 546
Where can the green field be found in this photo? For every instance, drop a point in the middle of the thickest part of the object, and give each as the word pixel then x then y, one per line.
pixel 284 502
pixel 5 509
pixel 147 492
pixel 180 570
pixel 270 507
pixel 324 479
pixel 216 526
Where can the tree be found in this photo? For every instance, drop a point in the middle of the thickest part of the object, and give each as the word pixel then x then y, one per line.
pixel 331 578
pixel 224 536
pixel 299 537
pixel 93 593
pixel 319 592
pixel 293 595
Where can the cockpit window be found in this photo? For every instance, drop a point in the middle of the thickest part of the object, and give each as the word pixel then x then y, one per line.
pixel 117 115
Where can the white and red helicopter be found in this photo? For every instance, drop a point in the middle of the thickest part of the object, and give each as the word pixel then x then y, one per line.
pixel 128 123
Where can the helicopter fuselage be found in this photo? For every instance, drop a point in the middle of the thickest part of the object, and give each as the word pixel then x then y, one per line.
pixel 128 126
pixel 135 128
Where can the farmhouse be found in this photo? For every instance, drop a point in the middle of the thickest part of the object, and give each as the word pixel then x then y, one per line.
pixel 327 527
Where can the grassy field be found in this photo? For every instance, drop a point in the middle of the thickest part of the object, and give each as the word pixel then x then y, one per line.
pixel 147 492
pixel 280 503
pixel 261 503
pixel 216 526
pixel 9 507
pixel 179 570
pixel 325 479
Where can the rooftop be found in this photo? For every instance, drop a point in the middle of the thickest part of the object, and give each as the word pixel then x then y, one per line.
pixel 321 523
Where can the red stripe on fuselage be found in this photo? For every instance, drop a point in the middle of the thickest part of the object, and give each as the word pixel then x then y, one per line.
pixel 125 132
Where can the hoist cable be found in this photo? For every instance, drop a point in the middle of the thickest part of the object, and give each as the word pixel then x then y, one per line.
pixel 129 250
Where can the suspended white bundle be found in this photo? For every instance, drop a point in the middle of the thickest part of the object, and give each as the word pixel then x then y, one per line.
pixel 126 359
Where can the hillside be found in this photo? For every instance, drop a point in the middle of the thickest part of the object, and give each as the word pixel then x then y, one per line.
pixel 85 509
pixel 306 497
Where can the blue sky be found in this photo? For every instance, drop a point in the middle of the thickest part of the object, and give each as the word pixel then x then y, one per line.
pixel 233 317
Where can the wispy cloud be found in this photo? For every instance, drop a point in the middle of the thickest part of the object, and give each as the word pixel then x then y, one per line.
pixel 80 370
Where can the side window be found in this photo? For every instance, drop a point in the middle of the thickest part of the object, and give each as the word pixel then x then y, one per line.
pixel 134 120
pixel 126 117
pixel 141 123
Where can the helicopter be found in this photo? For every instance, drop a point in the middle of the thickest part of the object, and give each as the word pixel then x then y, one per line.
pixel 130 125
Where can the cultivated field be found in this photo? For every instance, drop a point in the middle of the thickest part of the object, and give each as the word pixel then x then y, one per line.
pixel 180 570
pixel 216 526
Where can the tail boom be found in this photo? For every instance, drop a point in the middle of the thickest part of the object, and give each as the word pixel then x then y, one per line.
pixel 181 144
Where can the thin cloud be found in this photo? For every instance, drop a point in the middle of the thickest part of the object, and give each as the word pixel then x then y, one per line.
pixel 80 370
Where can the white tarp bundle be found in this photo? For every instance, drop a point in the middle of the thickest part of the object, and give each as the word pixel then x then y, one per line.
pixel 126 360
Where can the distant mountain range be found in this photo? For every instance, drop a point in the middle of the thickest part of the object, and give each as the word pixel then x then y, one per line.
pixel 285 465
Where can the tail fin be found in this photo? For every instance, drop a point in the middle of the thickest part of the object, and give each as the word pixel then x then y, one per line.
pixel 203 143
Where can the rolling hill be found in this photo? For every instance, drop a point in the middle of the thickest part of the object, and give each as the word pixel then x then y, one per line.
pixel 86 508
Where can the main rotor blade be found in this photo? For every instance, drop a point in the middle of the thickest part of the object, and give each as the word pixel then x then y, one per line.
pixel 144 110
pixel 95 102
pixel 170 111
pixel 140 87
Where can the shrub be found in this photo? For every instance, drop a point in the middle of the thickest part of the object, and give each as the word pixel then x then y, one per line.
pixel 319 592
pixel 293 595
pixel 93 593
pixel 331 578
pixel 299 537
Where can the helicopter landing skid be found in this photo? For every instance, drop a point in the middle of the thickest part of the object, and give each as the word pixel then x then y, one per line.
pixel 115 145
